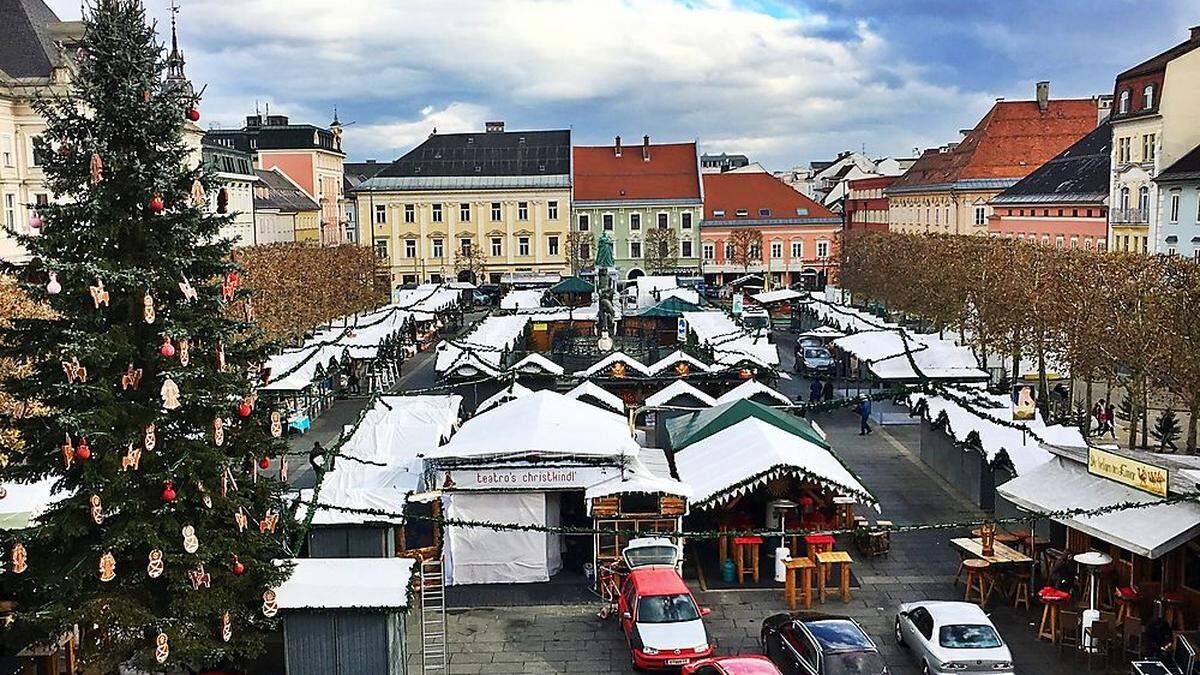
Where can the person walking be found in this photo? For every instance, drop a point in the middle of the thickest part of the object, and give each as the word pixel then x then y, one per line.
pixel 1110 420
pixel 1098 415
pixel 827 394
pixel 864 416
pixel 814 390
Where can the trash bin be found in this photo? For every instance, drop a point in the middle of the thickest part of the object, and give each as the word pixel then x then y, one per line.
pixel 782 555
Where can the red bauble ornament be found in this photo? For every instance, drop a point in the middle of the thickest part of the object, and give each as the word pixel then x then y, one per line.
pixel 244 409
pixel 264 463
pixel 167 349
pixel 238 567
pixel 168 493
pixel 157 204
pixel 193 114
pixel 83 451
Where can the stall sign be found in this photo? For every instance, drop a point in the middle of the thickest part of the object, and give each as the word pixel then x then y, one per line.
pixel 527 478
pixel 1127 471
pixel 739 299
pixel 681 329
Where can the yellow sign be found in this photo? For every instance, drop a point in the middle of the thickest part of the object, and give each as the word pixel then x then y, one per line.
pixel 1131 472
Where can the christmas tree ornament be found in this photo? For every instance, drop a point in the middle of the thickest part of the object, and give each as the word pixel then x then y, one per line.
pixel 199 198
pixel 74 371
pixel 240 519
pixel 283 470
pixel 269 520
pixel 149 439
pixel 184 356
pixel 238 567
pixel 19 561
pixel 96 510
pixel 229 287
pixel 205 498
pixel 264 463
pixel 162 650
pixel 132 458
pixel 199 578
pixel 148 308
pixel 108 567
pixel 223 201
pixel 270 605
pixel 96 168
pixel 168 492
pixel 248 310
pixel 154 567
pixel 218 432
pixel 99 294
pixel 193 114
pixel 68 451
pixel 53 288
pixel 166 348
pixel 227 481
pixel 170 394
pixel 188 291
pixel 157 204
pixel 244 408
pixel 132 378
pixel 276 424
pixel 220 357
pixel 35 221
pixel 145 96
pixel 84 451
pixel 226 627
pixel 190 543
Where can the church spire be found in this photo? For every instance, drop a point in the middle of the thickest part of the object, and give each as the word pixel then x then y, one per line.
pixel 175 75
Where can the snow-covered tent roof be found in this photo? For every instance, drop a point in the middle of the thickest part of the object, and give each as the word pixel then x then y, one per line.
pixel 523 299
pixel 753 452
pixel 481 350
pixel 426 301
pixel 590 389
pixel 675 390
pixel 648 473
pixel 643 288
pixel 296 370
pixel 543 423
pixel 847 318
pixel 751 389
pixel 347 583
pixel 778 295
pixel 512 391
pixel 884 351
pixel 24 502
pixel 536 364
pixel 352 491
pixel 603 365
pixel 822 332
pixel 667 363
pixel 730 343
pixel 1023 450
pixel 398 427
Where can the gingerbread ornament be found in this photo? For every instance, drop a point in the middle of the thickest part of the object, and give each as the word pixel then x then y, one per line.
pixel 248 310
pixel 99 294
pixel 154 567
pixel 68 451
pixel 184 357
pixel 148 308
pixel 220 358
pixel 190 543
pixel 96 509
pixel 218 432
pixel 150 439
pixel 199 198
pixel 226 627
pixel 270 606
pixel 205 498
pixel 19 558
pixel 170 394
pixel 276 424
pixel 269 520
pixel 199 578
pixel 96 168
pixel 162 650
pixel 74 371
pixel 240 520
pixel 132 458
pixel 188 290
pixel 132 379
pixel 108 567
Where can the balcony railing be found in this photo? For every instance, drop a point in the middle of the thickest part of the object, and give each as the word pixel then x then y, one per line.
pixel 1129 216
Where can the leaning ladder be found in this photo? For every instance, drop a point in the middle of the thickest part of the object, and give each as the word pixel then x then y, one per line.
pixel 434 653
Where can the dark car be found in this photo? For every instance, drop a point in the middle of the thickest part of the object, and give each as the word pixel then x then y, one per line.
pixel 810 643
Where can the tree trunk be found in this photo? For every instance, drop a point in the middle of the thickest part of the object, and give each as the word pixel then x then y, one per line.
pixel 1016 357
pixel 1043 385
pixel 1133 414
pixel 1145 412
pixel 1193 413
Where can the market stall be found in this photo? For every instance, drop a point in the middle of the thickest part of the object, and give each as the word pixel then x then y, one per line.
pixel 592 393
pixel 658 323
pixel 645 498
pixel 756 391
pixel 573 292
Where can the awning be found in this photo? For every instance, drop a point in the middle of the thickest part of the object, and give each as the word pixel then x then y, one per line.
pixel 1063 483
pixel 675 390
pixel 781 295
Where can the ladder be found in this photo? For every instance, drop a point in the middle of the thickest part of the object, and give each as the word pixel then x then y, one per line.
pixel 434 654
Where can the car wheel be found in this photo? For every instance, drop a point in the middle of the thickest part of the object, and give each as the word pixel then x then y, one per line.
pixel 899 634
pixel 925 668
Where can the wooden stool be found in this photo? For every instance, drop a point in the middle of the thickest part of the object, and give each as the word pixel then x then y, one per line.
pixel 818 543
pixel 1008 539
pixel 977 578
pixel 826 560
pixel 1174 601
pixel 745 557
pixel 844 519
pixel 805 568
pixel 1127 599
pixel 1052 599
pixel 1021 588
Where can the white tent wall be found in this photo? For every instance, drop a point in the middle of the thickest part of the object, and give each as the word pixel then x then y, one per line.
pixel 554 540
pixel 484 556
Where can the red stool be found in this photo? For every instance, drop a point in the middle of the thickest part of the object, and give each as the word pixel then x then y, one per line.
pixel 1051 599
pixel 1174 602
pixel 745 557
pixel 1127 599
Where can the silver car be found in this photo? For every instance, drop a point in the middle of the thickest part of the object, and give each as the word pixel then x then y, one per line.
pixel 952 637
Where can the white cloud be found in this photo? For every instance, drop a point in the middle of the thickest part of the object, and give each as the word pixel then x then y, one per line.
pixel 395 138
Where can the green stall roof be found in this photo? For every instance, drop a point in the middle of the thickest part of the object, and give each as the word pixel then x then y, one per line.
pixel 671 307
pixel 572 285
pixel 687 429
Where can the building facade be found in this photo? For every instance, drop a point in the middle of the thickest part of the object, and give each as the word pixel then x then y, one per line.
pixel 310 155
pixel 502 197
pixel 866 205
pixel 948 189
pixel 634 193
pixel 1155 121
pixel 1179 212
pixel 354 174
pixel 1063 202
pixel 234 170
pixel 282 208
pixel 799 237
pixel 710 163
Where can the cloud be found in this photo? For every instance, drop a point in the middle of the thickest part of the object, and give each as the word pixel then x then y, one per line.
pixel 395 138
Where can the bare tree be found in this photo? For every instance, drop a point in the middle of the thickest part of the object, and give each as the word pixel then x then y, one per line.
pixel 579 251
pixel 470 259
pixel 747 247
pixel 660 250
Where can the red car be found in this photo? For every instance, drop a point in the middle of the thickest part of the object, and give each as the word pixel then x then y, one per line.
pixel 732 665
pixel 661 620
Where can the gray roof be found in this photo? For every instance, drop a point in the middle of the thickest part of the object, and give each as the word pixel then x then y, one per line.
pixel 1077 174
pixel 385 184
pixel 966 184
pixel 280 193
pixel 1185 168
pixel 27 48
pixel 488 154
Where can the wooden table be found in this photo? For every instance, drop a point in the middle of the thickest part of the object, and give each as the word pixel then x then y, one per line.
pixel 845 512
pixel 818 543
pixel 805 568
pixel 1001 554
pixel 827 559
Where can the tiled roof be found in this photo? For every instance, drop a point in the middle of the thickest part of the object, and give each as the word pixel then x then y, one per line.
pixel 1012 140
pixel 1076 174
pixel 752 192
pixel 276 137
pixel 26 49
pixel 506 153
pixel 671 173
pixel 1184 168
pixel 280 193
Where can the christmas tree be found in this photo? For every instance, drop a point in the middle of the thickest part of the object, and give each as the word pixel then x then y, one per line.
pixel 139 402
pixel 1166 430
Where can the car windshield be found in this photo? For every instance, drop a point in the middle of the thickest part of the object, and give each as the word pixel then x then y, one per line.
pixel 839 635
pixel 667 609
pixel 854 663
pixel 968 637
pixel 651 555
pixel 816 353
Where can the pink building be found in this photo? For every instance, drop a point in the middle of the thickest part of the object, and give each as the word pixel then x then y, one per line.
pixel 799 236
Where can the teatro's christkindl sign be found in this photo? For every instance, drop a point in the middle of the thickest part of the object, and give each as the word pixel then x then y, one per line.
pixel 1136 474
pixel 527 478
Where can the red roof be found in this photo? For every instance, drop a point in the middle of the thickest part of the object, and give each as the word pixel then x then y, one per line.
pixel 1012 140
pixel 657 580
pixel 753 192
pixel 671 173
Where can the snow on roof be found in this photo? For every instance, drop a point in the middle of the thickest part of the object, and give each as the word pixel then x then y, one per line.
pixel 885 353
pixel 481 350
pixel 676 389
pixel 543 423
pixel 605 363
pixel 847 318
pixel 347 583
pixel 779 295
pixel 302 364
pixel 535 364
pixel 396 428
pixel 729 342
pixel 752 452
pixel 649 291
pixel 426 301
pixel 24 502
pixel 523 299
pixel 750 389
pixel 600 394
pixel 668 362
pixel 558 313
pixel 638 478
pixel 362 487
pixel 822 332
pixel 514 390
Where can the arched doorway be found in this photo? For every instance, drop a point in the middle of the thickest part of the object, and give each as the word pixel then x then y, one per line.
pixel 634 274
pixel 810 278
pixel 467 276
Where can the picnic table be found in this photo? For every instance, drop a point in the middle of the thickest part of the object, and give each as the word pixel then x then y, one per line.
pixel 1001 553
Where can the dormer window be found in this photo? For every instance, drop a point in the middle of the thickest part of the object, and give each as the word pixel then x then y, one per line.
pixel 1123 104
pixel 1148 97
pixel 719 213
pixel 764 213
pixel 743 213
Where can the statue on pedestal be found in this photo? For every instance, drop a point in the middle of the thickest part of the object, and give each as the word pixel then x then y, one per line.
pixel 606 322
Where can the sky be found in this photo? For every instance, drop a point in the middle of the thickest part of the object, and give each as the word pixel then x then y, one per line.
pixel 784 82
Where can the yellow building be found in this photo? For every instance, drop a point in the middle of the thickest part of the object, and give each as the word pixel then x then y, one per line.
pixel 500 199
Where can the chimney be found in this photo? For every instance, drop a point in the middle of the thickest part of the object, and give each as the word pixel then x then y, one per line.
pixel 1043 95
pixel 253 120
pixel 495 127
pixel 617 146
pixel 1195 33
pixel 645 148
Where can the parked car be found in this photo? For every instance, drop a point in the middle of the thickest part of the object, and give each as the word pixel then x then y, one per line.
pixel 663 625
pixel 811 643
pixel 732 665
pixel 952 637
pixel 813 359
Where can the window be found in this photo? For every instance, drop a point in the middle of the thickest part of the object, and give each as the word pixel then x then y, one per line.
pixel 36 156
pixel 777 249
pixel 464 246
pixel 709 250
pixel 584 222
pixel 437 213
pixel 797 249
pixel 552 210
pixel 1144 199
pixel 495 211
pixel 980 215
pixel 380 214
pixel 438 248
pixel 922 621
pixel 635 222
pixel 1123 145
pixel 822 249
pixel 410 213
pixel 464 212
pixel 1124 197
pixel 1058 241
pixel 607 221
pixel 729 250
pixel 1175 206
pixel 6 150
pixel 685 220
pixel 662 221
pixel 685 248
pixel 552 245
pixel 742 213
pixel 764 213
pixel 381 249
pixel 522 210
pixel 410 248
pixel 635 249
pixel 585 250
pixel 497 246
pixel 1148 147
pixel 718 213
pixel 1123 102
pixel 1148 97
pixel 523 246
pixel 1074 241
pixel 10 210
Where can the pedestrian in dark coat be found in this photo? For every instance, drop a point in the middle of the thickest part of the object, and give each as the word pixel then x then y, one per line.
pixel 864 416
pixel 814 391
pixel 828 393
